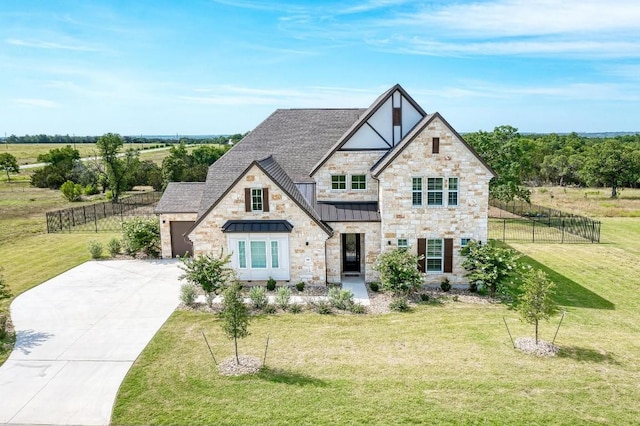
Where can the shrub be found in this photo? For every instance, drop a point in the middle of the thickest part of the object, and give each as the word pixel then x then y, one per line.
pixel 271 284
pixel 188 293
pixel 210 273
pixel 300 286
pixel 283 295
pixel 374 286
pixel 295 308
pixel 114 246
pixel 258 297
pixel 445 285
pixel 95 249
pixel 399 271
pixel 399 304
pixel 322 307
pixel 90 190
pixel 490 266
pixel 473 287
pixel 340 299
pixel 4 320
pixel 71 191
pixel 5 293
pixel 424 297
pixel 141 235
pixel 357 308
pixel 108 195
pixel 269 309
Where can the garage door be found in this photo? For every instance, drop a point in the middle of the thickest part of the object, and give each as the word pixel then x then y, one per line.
pixel 179 244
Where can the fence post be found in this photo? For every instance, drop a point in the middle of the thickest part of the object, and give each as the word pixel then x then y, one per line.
pixel 504 230
pixel 533 231
pixel 562 241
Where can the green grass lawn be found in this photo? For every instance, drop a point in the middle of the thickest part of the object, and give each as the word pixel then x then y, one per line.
pixel 450 363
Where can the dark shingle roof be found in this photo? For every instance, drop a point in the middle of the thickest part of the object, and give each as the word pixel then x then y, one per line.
pixel 349 212
pixel 296 138
pixel 181 197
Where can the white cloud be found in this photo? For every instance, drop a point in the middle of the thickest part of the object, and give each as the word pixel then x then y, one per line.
pixel 38 44
pixel 41 103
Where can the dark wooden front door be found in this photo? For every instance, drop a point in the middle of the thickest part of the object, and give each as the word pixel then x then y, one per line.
pixel 179 244
pixel 351 252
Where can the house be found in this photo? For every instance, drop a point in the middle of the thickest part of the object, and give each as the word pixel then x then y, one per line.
pixel 313 194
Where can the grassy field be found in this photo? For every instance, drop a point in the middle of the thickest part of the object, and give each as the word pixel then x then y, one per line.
pixel 594 202
pixel 28 153
pixel 451 363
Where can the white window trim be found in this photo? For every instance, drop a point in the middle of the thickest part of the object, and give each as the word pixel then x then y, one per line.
pixel 345 183
pixel 442 191
pixel 261 199
pixel 420 191
pixel 450 191
pixel 282 272
pixel 365 182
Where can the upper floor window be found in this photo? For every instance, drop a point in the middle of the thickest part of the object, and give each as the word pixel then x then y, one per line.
pixel 256 199
pixel 435 146
pixel 358 182
pixel 338 182
pixel 434 191
pixel 453 191
pixel 416 191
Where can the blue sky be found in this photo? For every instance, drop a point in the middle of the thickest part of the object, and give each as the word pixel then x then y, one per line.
pixel 222 66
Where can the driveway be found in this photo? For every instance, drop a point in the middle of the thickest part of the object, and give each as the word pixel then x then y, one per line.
pixel 77 336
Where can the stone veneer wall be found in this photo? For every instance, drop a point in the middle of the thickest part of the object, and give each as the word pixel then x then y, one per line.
pixel 370 249
pixel 347 163
pixel 307 262
pixel 468 220
pixel 165 229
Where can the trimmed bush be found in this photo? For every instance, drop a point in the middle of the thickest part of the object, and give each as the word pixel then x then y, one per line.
pixel 424 297
pixel 283 295
pixel 399 304
pixel 258 297
pixel 322 307
pixel 141 235
pixel 445 285
pixel 188 293
pixel 300 286
pixel 399 271
pixel 295 308
pixel 340 299
pixel 374 286
pixel 271 284
pixel 95 249
pixel 357 308
pixel 4 320
pixel 114 246
pixel 5 293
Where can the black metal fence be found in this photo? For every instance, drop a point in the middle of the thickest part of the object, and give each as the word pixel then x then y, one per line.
pixel 520 221
pixel 106 216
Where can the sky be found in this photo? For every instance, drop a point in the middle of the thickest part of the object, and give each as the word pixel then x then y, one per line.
pixel 206 67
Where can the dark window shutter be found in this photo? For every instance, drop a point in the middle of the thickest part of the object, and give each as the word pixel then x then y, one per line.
pixel 422 251
pixel 436 146
pixel 397 116
pixel 247 199
pixel 448 255
pixel 265 199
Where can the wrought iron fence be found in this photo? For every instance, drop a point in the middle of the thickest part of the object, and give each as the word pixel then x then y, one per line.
pixel 521 221
pixel 106 216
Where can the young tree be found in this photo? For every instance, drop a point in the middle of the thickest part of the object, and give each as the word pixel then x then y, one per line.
pixel 235 316
pixel 399 271
pixel 490 266
pixel 208 272
pixel 9 164
pixel 117 169
pixel 536 301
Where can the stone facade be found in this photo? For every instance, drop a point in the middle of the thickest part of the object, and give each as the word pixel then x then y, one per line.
pixel 347 163
pixel 165 229
pixel 306 240
pixel 370 249
pixel 400 219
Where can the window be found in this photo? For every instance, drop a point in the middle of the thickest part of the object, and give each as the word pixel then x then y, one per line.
pixel 358 182
pixel 435 147
pixel 242 254
pixel 397 116
pixel 403 243
pixel 256 199
pixel 453 192
pixel 434 255
pixel 258 254
pixel 416 191
pixel 338 182
pixel 274 255
pixel 464 242
pixel 434 191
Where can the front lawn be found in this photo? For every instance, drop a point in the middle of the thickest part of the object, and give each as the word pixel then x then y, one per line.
pixel 450 363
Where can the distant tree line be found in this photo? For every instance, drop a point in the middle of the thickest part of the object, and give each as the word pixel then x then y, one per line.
pixel 551 159
pixel 66 139
pixel 117 170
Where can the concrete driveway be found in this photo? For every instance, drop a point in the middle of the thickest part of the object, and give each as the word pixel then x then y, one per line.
pixel 77 336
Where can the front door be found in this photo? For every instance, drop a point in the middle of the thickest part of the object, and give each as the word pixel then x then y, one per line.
pixel 351 252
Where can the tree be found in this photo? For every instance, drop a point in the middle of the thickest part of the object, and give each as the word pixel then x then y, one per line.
pixel 399 271
pixel 490 266
pixel 61 163
pixel 117 169
pixel 536 301
pixel 208 272
pixel 9 164
pixel 611 163
pixel 235 316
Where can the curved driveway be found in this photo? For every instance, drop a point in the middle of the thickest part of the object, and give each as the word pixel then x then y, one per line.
pixel 77 336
